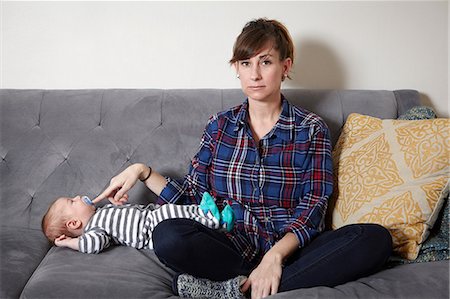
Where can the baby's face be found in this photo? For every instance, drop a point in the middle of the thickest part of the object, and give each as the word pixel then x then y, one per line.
pixel 75 207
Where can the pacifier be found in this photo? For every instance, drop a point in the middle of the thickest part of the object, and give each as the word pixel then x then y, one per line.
pixel 87 200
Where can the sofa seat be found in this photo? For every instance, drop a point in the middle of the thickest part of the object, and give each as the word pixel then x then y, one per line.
pixel 21 250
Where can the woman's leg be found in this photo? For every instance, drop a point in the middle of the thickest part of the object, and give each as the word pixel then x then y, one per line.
pixel 187 246
pixel 336 257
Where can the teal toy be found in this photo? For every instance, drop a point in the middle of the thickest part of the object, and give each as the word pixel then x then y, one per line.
pixel 227 217
pixel 209 204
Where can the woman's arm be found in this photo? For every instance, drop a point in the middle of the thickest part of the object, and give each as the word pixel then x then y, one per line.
pixel 119 186
pixel 189 191
pixel 155 182
pixel 195 183
pixel 318 185
pixel 265 278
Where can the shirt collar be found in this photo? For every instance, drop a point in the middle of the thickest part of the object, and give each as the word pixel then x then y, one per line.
pixel 285 126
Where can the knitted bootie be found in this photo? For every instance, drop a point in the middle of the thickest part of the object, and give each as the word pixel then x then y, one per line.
pixel 188 286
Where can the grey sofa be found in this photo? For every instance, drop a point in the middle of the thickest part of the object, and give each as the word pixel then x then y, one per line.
pixel 69 142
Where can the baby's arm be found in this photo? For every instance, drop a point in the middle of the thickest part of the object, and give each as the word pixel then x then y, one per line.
pixel 64 241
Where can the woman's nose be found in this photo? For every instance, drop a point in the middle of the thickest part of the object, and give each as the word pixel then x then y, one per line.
pixel 256 72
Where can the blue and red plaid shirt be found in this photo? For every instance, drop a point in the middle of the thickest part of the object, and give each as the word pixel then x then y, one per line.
pixel 277 186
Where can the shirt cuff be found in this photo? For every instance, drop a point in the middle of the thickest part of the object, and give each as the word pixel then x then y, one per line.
pixel 303 234
pixel 171 193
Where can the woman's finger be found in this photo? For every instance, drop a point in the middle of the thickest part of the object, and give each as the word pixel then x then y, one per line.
pixel 246 285
pixel 122 191
pixel 275 285
pixel 106 193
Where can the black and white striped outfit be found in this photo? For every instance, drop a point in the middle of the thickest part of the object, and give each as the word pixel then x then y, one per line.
pixel 132 225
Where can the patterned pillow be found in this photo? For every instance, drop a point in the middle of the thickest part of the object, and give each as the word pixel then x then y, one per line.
pixel 436 247
pixel 391 172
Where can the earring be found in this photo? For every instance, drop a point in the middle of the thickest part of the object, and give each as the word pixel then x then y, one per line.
pixel 237 76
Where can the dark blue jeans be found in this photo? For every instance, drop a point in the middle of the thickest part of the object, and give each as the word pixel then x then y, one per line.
pixel 333 258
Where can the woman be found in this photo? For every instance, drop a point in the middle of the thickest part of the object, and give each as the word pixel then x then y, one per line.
pixel 271 162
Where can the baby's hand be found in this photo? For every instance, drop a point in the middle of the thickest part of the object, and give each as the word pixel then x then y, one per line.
pixel 62 241
pixel 65 241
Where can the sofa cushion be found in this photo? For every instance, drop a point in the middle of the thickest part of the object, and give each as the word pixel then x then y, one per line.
pixel 21 252
pixel 119 272
pixel 392 172
pixel 425 280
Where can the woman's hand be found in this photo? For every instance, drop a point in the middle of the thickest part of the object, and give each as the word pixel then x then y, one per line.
pixel 122 183
pixel 265 279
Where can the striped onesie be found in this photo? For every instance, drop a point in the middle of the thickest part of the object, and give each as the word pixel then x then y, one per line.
pixel 132 225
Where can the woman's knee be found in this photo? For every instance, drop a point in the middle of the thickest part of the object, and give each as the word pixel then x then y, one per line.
pixel 375 240
pixel 168 239
pixel 379 235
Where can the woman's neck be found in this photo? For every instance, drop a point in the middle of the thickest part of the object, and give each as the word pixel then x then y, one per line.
pixel 262 116
pixel 264 111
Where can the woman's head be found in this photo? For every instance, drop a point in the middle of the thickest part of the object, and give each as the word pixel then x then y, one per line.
pixel 259 33
pixel 263 56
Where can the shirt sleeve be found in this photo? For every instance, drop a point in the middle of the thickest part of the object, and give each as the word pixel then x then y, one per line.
pixel 94 241
pixel 318 186
pixel 195 183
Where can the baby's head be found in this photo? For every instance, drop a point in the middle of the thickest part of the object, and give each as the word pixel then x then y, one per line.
pixel 66 216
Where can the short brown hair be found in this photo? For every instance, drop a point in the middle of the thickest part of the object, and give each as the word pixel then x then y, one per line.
pixel 256 34
pixel 54 223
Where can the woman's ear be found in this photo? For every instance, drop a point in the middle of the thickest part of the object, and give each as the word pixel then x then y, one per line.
pixel 73 224
pixel 287 65
pixel 236 68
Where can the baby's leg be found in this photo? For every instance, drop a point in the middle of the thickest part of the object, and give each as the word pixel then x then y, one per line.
pixel 194 212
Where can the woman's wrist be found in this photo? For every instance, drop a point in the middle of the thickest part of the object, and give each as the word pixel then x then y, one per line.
pixel 145 172
pixel 281 251
pixel 274 257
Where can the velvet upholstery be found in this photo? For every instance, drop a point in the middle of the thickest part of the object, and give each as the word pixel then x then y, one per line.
pixel 70 142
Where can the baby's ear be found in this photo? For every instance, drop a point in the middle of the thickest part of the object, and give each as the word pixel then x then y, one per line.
pixel 73 224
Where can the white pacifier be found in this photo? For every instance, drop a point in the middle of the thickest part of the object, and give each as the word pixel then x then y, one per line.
pixel 87 200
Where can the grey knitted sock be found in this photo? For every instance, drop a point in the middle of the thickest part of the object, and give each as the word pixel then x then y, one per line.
pixel 189 286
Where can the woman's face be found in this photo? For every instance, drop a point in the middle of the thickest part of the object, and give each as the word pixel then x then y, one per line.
pixel 261 75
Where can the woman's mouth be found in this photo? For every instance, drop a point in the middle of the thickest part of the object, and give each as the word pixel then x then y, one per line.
pixel 256 87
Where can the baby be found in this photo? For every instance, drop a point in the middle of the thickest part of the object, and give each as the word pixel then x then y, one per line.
pixel 76 223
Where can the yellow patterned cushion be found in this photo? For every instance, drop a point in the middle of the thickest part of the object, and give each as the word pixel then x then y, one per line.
pixel 391 172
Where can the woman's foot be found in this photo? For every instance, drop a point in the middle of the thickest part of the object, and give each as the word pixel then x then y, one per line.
pixel 188 286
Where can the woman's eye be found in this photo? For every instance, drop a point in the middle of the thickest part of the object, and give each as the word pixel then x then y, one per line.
pixel 266 62
pixel 245 63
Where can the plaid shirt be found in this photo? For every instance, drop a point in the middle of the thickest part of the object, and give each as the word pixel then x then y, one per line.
pixel 277 186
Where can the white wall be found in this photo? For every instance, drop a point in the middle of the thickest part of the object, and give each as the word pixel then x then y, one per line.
pixel 349 45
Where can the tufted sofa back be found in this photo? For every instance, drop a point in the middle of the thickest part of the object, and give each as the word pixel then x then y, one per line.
pixel 67 142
